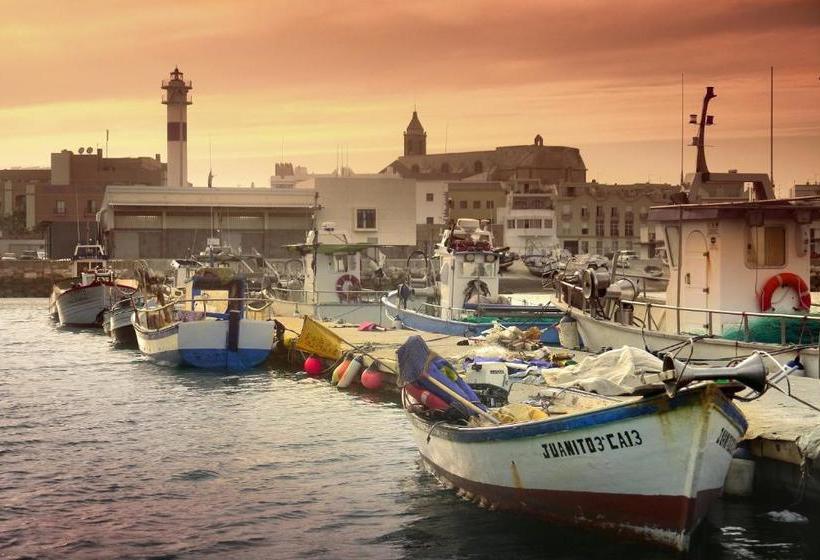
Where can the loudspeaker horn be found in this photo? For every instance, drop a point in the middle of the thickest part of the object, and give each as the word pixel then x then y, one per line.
pixel 751 372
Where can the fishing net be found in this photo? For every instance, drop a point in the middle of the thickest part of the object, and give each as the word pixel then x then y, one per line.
pixel 770 329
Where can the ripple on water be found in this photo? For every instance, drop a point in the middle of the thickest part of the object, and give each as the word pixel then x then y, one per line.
pixel 105 454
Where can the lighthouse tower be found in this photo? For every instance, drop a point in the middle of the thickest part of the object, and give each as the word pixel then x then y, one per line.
pixel 177 98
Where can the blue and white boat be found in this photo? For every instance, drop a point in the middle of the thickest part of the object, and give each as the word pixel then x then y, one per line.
pixel 465 299
pixel 208 329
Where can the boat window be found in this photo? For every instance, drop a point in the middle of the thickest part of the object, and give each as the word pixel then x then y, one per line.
pixel 672 244
pixel 340 262
pixel 766 246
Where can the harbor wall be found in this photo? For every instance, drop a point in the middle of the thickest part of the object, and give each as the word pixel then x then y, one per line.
pixel 34 278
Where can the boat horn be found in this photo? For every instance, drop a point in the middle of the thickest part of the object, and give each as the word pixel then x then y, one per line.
pixel 751 372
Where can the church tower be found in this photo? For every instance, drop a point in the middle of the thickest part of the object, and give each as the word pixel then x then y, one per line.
pixel 415 139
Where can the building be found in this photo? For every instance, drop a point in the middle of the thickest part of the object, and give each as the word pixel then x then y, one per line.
pixel 18 188
pixel 528 217
pixel 67 205
pixel 141 222
pixel 601 219
pixel 369 208
pixel 549 165
pixel 431 213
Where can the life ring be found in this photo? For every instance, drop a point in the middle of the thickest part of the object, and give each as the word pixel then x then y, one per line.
pixel 348 283
pixel 785 279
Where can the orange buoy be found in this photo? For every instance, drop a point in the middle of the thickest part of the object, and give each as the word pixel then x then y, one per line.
pixel 788 279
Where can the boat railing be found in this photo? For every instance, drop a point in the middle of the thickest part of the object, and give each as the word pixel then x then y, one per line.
pixel 449 313
pixel 569 294
pixel 178 310
pixel 327 297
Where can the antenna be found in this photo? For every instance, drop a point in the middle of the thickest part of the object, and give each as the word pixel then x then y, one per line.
pixel 106 142
pixel 681 129
pixel 771 125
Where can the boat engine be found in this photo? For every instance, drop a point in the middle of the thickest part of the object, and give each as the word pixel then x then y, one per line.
pixel 490 381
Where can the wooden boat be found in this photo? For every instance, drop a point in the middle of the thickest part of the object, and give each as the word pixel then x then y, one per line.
pixel 465 301
pixel 81 301
pixel 739 263
pixel 646 469
pixel 208 330
pixel 117 320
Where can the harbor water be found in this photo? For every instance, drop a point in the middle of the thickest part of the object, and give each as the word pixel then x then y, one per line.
pixel 106 455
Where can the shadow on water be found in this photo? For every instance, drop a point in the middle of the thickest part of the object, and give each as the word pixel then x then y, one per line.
pixel 443 525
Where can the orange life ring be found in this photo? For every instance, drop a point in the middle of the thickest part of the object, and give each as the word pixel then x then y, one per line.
pixel 785 279
pixel 348 283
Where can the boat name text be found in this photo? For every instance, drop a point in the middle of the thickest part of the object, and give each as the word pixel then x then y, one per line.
pixel 727 441
pixel 592 444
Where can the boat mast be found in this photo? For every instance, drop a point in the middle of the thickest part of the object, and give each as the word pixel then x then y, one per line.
pixel 700 141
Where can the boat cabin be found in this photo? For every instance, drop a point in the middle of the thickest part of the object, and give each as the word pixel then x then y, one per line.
pixel 87 259
pixel 469 268
pixel 744 256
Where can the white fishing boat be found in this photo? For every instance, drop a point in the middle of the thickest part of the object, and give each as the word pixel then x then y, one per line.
pixel 642 468
pixel 326 281
pixel 464 300
pixel 206 329
pixel 739 263
pixel 81 301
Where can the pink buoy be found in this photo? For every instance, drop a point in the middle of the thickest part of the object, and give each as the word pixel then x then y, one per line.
pixel 313 366
pixel 372 378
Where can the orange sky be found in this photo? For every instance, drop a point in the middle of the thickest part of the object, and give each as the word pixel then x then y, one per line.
pixel 600 75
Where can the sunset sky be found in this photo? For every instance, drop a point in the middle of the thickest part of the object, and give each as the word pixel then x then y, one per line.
pixel 600 75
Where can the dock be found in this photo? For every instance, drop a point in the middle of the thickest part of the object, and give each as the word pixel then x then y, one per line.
pixel 783 438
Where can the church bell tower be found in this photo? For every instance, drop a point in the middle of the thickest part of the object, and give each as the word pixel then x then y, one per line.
pixel 415 139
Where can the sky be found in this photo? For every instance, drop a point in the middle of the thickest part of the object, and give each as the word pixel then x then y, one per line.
pixel 295 81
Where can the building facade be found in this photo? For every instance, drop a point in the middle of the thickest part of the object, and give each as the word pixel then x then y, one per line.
pixel 602 219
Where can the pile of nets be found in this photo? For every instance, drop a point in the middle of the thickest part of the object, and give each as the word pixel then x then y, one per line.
pixel 768 330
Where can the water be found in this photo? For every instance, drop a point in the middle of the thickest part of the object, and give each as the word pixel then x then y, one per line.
pixel 103 454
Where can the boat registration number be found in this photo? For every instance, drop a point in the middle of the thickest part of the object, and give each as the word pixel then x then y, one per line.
pixel 592 444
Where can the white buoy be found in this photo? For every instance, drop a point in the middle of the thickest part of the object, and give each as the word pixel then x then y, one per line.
pixel 351 372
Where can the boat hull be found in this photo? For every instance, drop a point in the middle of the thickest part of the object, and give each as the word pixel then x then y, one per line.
pixel 82 306
pixel 647 470
pixel 119 326
pixel 427 323
pixel 205 344
pixel 598 334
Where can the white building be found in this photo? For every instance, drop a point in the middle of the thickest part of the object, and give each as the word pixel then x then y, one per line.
pixel 528 217
pixel 369 208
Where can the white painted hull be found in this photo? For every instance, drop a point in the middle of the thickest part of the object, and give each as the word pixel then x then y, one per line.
pixel 205 344
pixel 647 470
pixel 349 313
pixel 83 306
pixel 598 334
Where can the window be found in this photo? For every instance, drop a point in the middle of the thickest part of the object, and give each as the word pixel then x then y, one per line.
pixel 430 221
pixel 529 224
pixel 599 221
pixel 629 223
pixel 365 218
pixel 584 212
pixel 584 247
pixel 511 224
pixel 599 247
pixel 340 263
pixel 59 208
pixel 91 207
pixel 478 167
pixel 429 197
pixel 548 224
pixel 566 211
pixel 570 191
pixel 584 229
pixel 614 223
pixel 449 203
pixel 766 246
pixel 476 204
pixel 490 204
pixel 462 204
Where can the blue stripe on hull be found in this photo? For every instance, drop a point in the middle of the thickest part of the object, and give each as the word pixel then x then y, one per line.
pixel 654 405
pixel 220 358
pixel 430 324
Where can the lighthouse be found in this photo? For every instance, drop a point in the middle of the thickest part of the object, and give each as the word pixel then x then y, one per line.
pixel 177 98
